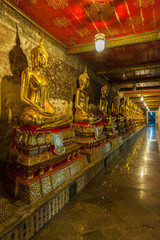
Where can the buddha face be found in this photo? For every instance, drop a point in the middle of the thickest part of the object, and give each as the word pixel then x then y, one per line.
pixel 122 101
pixel 84 81
pixel 104 91
pixel 39 60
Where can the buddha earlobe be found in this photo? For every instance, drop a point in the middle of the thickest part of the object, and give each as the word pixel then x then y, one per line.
pixel 85 70
pixel 42 39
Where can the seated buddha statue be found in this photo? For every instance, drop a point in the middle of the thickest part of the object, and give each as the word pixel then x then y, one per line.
pixel 35 95
pixel 115 104
pixel 131 109
pixel 104 104
pixel 128 109
pixel 82 113
pixel 135 111
pixel 122 108
pixel 116 107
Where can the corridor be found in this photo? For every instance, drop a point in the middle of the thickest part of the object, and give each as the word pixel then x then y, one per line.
pixel 121 203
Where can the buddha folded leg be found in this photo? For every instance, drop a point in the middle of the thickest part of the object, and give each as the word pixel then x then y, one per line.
pixel 82 117
pixel 30 117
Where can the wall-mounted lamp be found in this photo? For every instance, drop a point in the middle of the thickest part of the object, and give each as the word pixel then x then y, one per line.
pixel 99 39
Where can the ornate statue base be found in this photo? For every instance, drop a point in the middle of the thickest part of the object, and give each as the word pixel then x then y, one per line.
pixel 122 127
pixel 110 130
pixel 92 140
pixel 111 133
pixel 41 160
pixel 5 211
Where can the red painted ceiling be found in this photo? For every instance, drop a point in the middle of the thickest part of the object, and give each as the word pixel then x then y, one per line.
pixel 75 22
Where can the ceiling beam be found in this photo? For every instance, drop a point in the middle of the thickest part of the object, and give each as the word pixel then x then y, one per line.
pixel 139 88
pixel 150 109
pixel 134 98
pixel 149 103
pixel 123 82
pixel 129 69
pixel 146 100
pixel 117 42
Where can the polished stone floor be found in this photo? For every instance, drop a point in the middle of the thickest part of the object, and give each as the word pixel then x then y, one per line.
pixel 121 203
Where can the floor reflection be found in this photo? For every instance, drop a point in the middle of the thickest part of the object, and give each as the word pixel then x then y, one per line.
pixel 121 203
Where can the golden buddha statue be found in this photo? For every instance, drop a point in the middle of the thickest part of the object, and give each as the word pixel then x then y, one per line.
pixel 35 96
pixel 103 101
pixel 122 109
pixel 115 104
pixel 128 108
pixel 135 111
pixel 82 113
pixel 132 110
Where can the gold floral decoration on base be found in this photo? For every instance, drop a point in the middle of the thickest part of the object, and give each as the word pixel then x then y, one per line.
pixel 61 22
pixel 58 4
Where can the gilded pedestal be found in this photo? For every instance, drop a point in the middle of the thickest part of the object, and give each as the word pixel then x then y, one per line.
pixel 5 211
pixel 41 160
pixel 92 140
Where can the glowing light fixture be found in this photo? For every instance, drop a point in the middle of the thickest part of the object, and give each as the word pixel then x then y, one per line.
pixel 99 39
pixel 142 99
pixel 138 94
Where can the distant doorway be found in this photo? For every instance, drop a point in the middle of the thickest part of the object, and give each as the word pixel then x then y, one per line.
pixel 151 118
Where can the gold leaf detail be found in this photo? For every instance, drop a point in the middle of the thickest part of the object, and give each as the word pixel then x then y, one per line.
pixel 113 31
pixel 83 32
pixel 15 2
pixel 33 1
pixel 58 4
pixel 70 42
pixel 144 3
pixel 61 22
pixel 124 57
pixel 105 7
pixel 136 21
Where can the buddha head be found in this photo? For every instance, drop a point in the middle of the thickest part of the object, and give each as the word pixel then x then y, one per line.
pixel 127 101
pixel 116 98
pixel 39 57
pixel 104 91
pixel 84 79
pixel 122 101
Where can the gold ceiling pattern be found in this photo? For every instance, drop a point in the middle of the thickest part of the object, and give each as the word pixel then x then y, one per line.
pixel 16 2
pixel 144 4
pixel 57 4
pixel 136 20
pixel 84 32
pixel 61 22
pixel 107 11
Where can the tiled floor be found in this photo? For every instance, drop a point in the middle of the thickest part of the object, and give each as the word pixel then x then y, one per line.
pixel 121 203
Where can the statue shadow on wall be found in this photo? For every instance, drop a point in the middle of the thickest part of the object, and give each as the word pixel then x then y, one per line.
pixel 10 99
pixel 74 98
pixel 109 99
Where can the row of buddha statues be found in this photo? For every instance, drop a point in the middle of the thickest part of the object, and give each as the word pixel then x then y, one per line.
pixel 48 148
pixel 39 112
